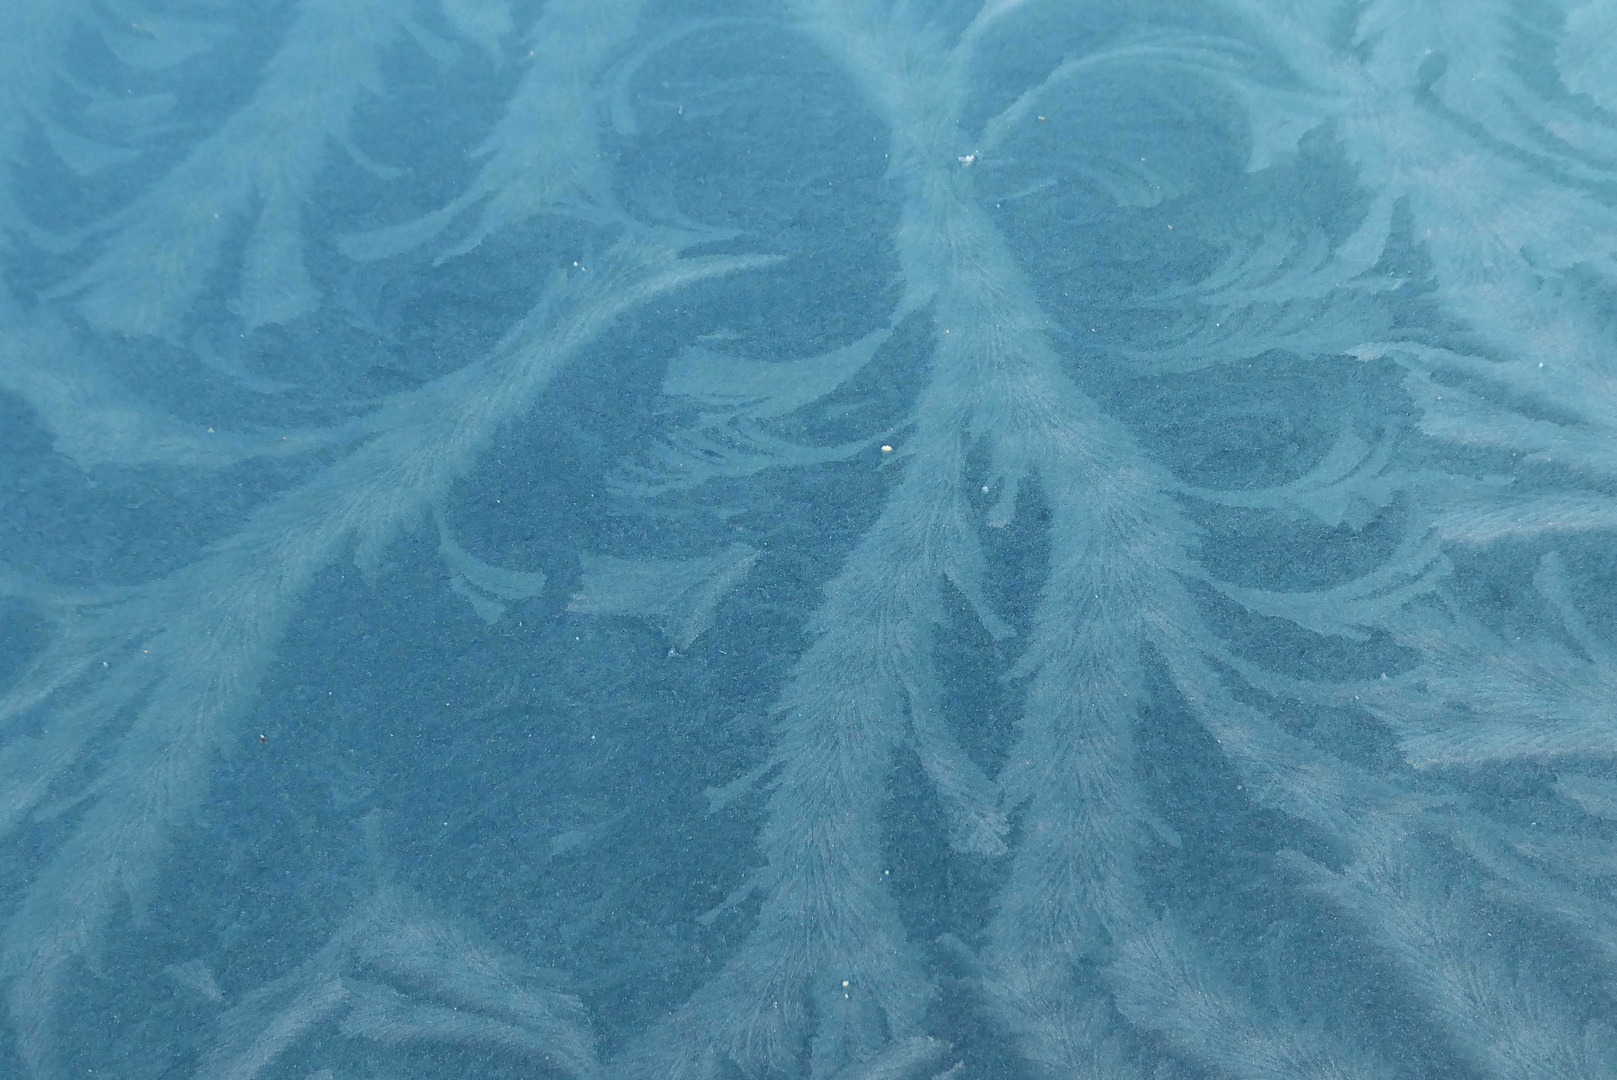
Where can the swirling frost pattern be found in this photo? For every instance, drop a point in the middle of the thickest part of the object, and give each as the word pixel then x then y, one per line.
pixel 845 539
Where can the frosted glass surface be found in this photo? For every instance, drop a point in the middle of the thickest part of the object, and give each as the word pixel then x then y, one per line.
pixel 808 539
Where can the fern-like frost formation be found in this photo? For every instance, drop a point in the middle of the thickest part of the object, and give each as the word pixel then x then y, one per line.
pixel 834 539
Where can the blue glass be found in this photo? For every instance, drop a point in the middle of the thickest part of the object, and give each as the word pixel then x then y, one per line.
pixel 846 539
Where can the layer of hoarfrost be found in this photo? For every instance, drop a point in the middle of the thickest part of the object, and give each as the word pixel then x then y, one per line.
pixel 832 538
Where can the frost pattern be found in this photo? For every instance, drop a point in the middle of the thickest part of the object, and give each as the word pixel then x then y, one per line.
pixel 841 538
